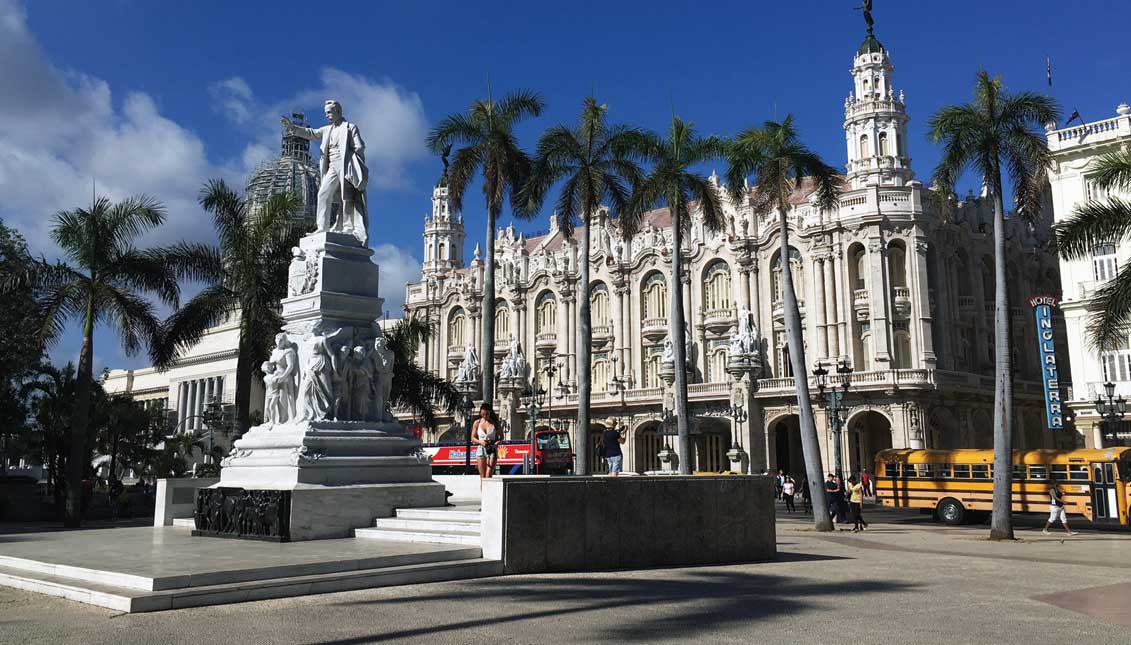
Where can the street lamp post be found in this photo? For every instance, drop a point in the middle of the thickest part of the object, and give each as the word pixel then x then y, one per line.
pixel 1111 410
pixel 834 400
pixel 468 405
pixel 740 416
pixel 533 398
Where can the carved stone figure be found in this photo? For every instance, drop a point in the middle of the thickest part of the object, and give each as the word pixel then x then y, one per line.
pixel 340 361
pixel 296 272
pixel 274 408
pixel 344 174
pixel 514 365
pixel 315 394
pixel 284 358
pixel 383 359
pixel 361 383
pixel 746 340
pixel 469 368
pixel 867 9
pixel 669 351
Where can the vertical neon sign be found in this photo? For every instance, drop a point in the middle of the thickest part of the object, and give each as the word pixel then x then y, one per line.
pixel 1046 350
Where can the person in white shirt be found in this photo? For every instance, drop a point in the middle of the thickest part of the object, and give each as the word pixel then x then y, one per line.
pixel 788 488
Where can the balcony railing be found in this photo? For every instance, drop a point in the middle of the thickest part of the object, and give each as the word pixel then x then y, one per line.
pixel 966 304
pixel 718 318
pixel 547 341
pixel 655 327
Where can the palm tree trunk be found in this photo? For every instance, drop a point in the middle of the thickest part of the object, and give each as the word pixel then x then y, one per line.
pixel 683 429
pixel 72 511
pixel 244 371
pixel 810 443
pixel 488 319
pixel 584 366
pixel 1001 522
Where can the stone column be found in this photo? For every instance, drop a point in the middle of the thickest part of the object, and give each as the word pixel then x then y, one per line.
pixel 182 402
pixel 878 293
pixel 818 309
pixel 831 320
pixel 618 331
pixel 194 398
pixel 843 292
pixel 921 306
pixel 744 286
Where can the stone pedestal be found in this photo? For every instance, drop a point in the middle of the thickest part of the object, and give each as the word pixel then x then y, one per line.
pixel 739 462
pixel 311 476
pixel 669 460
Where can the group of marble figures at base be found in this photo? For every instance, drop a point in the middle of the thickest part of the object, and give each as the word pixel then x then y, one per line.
pixel 342 382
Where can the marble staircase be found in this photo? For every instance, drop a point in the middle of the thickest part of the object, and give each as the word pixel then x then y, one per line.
pixel 447 525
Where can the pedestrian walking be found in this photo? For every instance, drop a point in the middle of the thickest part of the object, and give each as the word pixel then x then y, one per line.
pixel 856 503
pixel 866 482
pixel 806 496
pixel 485 434
pixel 842 501
pixel 831 489
pixel 788 488
pixel 1056 510
pixel 779 481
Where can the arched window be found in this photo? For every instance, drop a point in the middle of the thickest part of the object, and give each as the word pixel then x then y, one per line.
pixel 502 323
pixel 883 144
pixel 867 89
pixel 547 319
pixel 652 367
pixel 600 373
pixel 599 305
pixel 457 322
pixel 716 282
pixel 428 252
pixel 860 268
pixel 864 152
pixel 717 365
pixel 781 347
pixel 897 265
pixel 795 269
pixel 655 298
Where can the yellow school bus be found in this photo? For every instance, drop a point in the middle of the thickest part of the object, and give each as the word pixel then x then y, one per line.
pixel 958 484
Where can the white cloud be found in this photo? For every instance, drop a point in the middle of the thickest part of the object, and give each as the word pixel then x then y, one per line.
pixel 391 119
pixel 398 267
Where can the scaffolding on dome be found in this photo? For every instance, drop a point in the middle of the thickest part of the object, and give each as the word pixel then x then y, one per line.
pixel 290 172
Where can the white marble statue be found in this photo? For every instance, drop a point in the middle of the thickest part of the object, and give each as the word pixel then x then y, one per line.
pixel 469 368
pixel 340 362
pixel 669 351
pixel 383 360
pixel 745 340
pixel 284 361
pixel 344 174
pixel 274 407
pixel 315 390
pixel 296 272
pixel 361 384
pixel 514 365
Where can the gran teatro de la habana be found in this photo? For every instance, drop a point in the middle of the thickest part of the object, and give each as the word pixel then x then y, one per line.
pixel 887 280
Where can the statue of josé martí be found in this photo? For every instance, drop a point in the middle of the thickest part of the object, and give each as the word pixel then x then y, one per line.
pixel 344 174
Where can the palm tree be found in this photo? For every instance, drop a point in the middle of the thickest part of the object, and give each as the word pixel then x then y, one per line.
pixel 490 146
pixel 673 182
pixel 781 164
pixel 597 163
pixel 1096 223
pixel 246 274
pixel 414 387
pixel 105 283
pixel 998 131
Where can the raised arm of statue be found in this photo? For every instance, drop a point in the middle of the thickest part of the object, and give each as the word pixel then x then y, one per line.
pixel 311 134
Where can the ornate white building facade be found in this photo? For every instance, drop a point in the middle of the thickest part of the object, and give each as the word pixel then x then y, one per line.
pixel 884 280
pixel 1074 151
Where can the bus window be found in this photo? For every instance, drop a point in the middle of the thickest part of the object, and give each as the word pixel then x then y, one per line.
pixel 961 471
pixel 908 470
pixel 1059 472
pixel 943 470
pixel 891 470
pixel 1038 472
pixel 1124 471
pixel 1077 473
pixel 1018 471
pixel 980 471
pixel 927 471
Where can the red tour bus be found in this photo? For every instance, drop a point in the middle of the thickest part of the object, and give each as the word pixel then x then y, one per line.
pixel 554 455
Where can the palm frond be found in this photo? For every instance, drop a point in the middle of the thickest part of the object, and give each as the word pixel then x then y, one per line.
pixel 1112 171
pixel 1109 326
pixel 1092 224
pixel 186 327
pixel 133 315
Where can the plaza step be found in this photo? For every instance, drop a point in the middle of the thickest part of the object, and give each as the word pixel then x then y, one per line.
pixel 137 600
pixel 448 525
pixel 184 522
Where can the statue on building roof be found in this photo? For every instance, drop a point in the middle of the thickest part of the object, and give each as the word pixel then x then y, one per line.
pixel 867 9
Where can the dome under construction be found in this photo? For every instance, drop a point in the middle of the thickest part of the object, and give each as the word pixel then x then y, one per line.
pixel 291 172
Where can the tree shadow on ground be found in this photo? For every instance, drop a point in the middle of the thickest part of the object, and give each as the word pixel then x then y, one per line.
pixel 689 604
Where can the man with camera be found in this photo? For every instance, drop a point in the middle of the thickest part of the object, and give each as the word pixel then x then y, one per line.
pixel 611 441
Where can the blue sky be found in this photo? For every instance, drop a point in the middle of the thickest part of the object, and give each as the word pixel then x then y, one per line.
pixel 157 96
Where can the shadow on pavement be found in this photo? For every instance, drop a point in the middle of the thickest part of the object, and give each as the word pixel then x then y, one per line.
pixel 701 601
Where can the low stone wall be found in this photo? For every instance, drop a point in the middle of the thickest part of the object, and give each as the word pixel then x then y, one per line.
pixel 595 523
pixel 176 498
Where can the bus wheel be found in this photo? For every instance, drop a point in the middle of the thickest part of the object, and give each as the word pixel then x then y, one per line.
pixel 950 512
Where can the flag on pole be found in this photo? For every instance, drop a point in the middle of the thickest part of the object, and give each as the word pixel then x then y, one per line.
pixel 1048 69
pixel 1073 117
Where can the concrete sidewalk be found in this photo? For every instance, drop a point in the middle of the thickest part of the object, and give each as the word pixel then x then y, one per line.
pixel 905 579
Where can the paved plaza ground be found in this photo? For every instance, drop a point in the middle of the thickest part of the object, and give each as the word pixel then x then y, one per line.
pixel 906 579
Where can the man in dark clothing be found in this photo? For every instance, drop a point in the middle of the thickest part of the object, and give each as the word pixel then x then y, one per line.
pixel 831 490
pixel 841 501
pixel 611 439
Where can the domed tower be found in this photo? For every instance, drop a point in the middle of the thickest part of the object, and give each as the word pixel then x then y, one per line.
pixel 291 172
pixel 875 121
pixel 443 231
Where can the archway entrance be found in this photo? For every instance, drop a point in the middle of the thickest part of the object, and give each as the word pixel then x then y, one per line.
pixel 869 433
pixel 646 445
pixel 786 446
